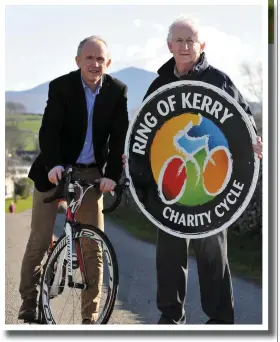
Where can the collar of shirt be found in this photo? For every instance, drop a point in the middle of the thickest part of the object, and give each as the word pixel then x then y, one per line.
pixel 176 73
pixel 97 88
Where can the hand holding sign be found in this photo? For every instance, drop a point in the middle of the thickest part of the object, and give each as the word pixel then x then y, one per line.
pixel 258 147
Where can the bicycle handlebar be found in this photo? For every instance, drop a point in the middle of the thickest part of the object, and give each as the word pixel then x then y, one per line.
pixel 119 189
pixel 62 189
pixel 59 193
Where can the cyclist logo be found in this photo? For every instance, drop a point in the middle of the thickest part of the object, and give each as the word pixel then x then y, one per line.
pixel 197 166
pixel 191 163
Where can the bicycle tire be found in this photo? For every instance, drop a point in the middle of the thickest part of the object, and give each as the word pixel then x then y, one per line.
pixel 81 231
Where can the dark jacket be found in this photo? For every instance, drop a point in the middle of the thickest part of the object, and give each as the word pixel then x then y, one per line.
pixel 64 126
pixel 204 72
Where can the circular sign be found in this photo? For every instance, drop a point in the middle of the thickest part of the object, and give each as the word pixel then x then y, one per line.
pixel 190 159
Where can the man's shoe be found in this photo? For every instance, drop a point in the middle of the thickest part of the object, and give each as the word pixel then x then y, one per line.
pixel 164 320
pixel 87 321
pixel 27 311
pixel 217 321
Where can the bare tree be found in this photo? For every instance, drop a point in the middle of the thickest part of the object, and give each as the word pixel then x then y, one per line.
pixel 13 117
pixel 14 139
pixel 253 78
pixel 252 75
pixel 15 107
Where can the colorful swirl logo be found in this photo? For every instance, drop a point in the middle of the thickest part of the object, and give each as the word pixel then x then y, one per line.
pixel 195 164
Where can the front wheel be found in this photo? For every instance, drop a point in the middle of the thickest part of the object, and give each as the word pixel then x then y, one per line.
pixel 61 304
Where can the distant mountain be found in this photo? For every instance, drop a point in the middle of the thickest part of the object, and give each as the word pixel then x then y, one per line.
pixel 137 80
pixel 33 99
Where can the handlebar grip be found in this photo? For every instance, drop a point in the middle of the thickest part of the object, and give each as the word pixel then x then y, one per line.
pixel 59 193
pixel 49 199
pixel 118 190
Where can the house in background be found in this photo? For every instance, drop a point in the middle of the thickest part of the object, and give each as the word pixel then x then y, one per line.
pixel 9 187
pixel 27 155
pixel 15 170
pixel 18 171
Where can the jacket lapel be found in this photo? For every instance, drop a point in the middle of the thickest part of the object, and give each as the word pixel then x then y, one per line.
pixel 101 101
pixel 80 99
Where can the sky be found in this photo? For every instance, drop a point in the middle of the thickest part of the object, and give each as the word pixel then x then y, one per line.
pixel 41 41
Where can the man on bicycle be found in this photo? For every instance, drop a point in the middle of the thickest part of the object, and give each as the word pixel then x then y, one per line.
pixel 84 124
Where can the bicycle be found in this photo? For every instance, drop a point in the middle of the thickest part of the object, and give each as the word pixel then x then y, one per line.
pixel 65 257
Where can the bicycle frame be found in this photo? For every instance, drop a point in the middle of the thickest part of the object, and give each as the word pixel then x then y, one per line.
pixel 69 229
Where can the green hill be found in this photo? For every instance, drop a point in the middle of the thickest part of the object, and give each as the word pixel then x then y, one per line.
pixel 25 127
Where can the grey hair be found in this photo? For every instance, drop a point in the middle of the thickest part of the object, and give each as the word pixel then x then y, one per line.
pixel 93 39
pixel 188 21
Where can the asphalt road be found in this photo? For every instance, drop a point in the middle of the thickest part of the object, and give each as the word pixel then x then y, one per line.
pixel 137 291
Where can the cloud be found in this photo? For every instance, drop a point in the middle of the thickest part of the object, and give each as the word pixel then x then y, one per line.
pixel 158 27
pixel 22 86
pixel 146 54
pixel 144 24
pixel 132 51
pixel 137 22
pixel 227 53
pixel 155 63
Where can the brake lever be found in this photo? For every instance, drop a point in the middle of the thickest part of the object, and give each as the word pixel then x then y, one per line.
pixel 61 187
pixel 119 189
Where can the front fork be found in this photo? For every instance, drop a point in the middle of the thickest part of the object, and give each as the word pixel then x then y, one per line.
pixel 80 260
pixel 70 219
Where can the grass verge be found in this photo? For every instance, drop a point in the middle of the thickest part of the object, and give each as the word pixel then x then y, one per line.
pixel 244 253
pixel 21 204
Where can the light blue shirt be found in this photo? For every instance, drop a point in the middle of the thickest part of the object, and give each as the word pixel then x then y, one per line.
pixel 87 153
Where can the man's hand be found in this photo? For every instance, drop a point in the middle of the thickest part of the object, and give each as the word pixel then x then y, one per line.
pixel 124 160
pixel 107 185
pixel 258 147
pixel 55 174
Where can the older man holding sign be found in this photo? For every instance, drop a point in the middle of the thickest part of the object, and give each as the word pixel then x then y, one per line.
pixel 193 161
